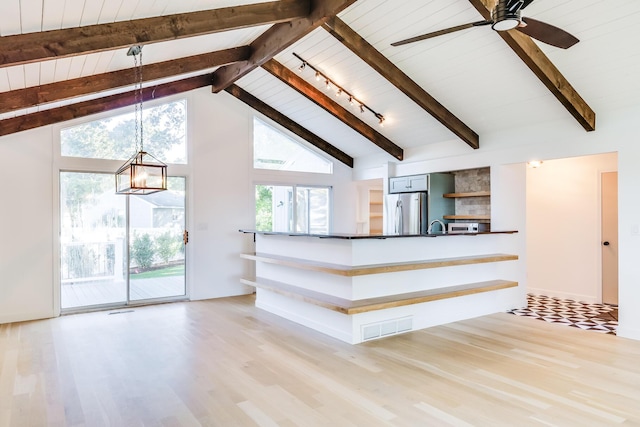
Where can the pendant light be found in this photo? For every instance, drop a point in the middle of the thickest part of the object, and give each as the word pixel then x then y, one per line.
pixel 142 173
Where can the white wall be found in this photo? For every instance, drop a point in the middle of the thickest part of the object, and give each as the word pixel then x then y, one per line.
pixel 220 183
pixel 563 227
pixel 26 226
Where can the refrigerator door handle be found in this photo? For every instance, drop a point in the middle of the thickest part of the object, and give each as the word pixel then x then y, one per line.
pixel 398 224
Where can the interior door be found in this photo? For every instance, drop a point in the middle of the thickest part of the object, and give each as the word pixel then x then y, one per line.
pixel 609 237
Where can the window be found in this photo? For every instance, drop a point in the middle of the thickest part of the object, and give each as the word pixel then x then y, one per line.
pixel 274 150
pixel 113 138
pixel 299 209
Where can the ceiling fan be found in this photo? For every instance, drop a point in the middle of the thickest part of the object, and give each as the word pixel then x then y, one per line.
pixel 506 16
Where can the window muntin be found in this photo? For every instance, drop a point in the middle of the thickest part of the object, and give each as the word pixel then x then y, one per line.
pixel 113 138
pixel 275 150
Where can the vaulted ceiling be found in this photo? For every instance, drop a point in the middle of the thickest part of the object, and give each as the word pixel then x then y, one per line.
pixel 61 59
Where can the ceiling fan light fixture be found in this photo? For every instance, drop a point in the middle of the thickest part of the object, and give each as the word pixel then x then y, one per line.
pixel 506 24
pixel 504 18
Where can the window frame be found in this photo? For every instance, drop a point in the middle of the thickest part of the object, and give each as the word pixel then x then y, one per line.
pixel 294 187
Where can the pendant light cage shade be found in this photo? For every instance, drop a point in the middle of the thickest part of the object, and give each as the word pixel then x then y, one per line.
pixel 141 174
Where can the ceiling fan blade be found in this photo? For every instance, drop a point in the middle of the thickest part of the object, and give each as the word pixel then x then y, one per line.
pixel 547 33
pixel 526 3
pixel 441 32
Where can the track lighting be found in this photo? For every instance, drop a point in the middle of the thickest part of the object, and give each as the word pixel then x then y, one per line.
pixel 339 89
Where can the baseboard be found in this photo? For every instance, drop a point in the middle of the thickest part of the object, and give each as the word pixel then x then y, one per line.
pixel 630 333
pixel 590 299
pixel 25 317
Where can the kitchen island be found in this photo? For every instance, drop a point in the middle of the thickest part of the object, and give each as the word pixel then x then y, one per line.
pixel 358 287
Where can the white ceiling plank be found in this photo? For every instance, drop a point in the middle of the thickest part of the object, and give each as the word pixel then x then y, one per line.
pixel 109 11
pixel 72 14
pixel 62 69
pixel 47 72
pixel 146 9
pixel 10 17
pixel 4 81
pixel 30 15
pixel 91 12
pixel 52 14
pixel 75 68
pixel 126 10
pixel 89 65
pixel 32 74
pixel 104 61
pixel 16 77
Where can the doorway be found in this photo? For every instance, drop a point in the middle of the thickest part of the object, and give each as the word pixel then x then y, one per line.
pixel 118 250
pixel 609 200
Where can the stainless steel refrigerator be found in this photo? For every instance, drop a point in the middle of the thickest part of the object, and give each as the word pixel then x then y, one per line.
pixel 406 213
pixel 411 212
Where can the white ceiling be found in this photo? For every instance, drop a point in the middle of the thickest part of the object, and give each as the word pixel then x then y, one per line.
pixel 473 73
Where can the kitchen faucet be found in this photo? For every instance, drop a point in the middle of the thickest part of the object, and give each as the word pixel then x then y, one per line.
pixel 442 226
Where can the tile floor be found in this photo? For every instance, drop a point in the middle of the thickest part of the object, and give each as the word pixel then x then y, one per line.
pixel 601 318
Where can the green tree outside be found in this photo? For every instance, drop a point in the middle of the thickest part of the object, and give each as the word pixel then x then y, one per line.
pixel 264 208
pixel 167 245
pixel 142 250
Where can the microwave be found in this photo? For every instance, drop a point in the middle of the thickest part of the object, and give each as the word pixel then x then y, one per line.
pixel 465 227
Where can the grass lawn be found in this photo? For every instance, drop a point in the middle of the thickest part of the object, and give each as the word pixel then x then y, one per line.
pixel 176 270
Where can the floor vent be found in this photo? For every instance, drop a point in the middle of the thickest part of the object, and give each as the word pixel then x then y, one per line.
pixel 373 331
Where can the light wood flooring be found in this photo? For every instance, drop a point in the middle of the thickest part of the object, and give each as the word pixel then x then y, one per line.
pixel 225 363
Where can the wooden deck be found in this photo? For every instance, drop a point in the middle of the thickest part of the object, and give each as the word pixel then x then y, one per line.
pixel 110 292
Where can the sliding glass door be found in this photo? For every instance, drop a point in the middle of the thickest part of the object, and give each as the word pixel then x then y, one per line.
pixel 115 249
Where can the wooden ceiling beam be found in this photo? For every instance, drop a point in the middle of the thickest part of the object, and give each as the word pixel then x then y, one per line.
pixel 544 69
pixel 276 39
pixel 86 108
pixel 328 104
pixel 289 124
pixel 376 60
pixel 38 46
pixel 37 95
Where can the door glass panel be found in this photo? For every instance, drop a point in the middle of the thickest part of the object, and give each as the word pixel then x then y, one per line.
pixel 92 241
pixel 157 255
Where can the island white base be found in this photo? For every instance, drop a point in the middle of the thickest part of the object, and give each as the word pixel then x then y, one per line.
pixel 379 323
